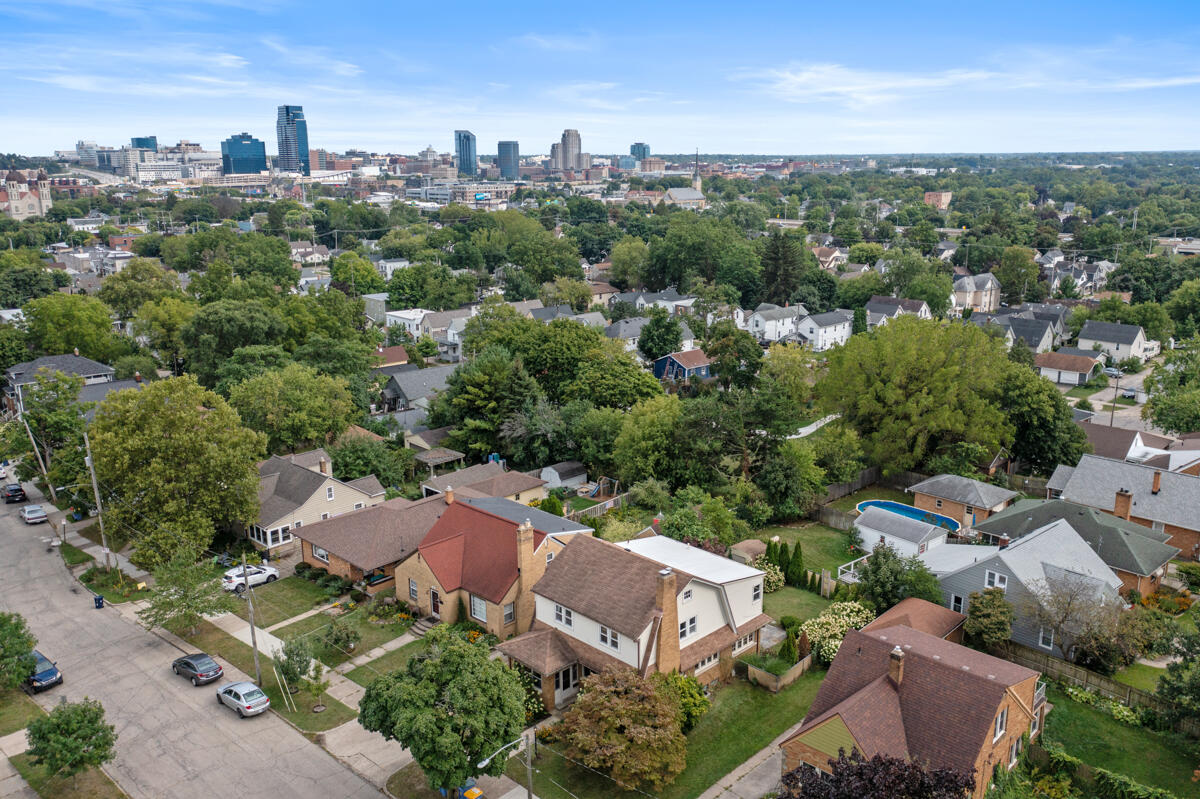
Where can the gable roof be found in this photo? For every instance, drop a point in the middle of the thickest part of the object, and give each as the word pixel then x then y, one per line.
pixel 981 282
pixel 1123 545
pixel 1065 362
pixel 489 478
pixel 565 469
pixel 22 373
pixel 691 359
pixel 920 614
pixel 1109 332
pixel 881 303
pixel 897 526
pixel 692 560
pixel 963 490
pixel 97 392
pixel 942 710
pixel 417 384
pixel 831 318
pixel 284 486
pixel 516 513
pixel 608 583
pixel 1096 481
pixel 1032 331
pixel 377 536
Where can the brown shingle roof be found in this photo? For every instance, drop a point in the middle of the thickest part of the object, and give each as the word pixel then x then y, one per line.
pixel 717 640
pixel 922 615
pixel 1064 362
pixel 1109 442
pixel 606 583
pixel 488 478
pixel 374 537
pixel 692 359
pixel 947 699
pixel 546 650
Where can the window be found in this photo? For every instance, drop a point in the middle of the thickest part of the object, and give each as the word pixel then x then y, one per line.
pixel 563 615
pixel 687 595
pixel 687 627
pixel 609 637
pixel 298 525
pixel 284 535
pixel 743 642
pixel 510 613
pixel 328 492
pixel 708 661
pixel 1001 724
pixel 274 537
pixel 956 603
pixel 921 549
pixel 1035 725
pixel 997 580
pixel 1046 638
pixel 412 589
pixel 358 506
pixel 478 608
pixel 324 516
pixel 320 554
pixel 937 503
pixel 549 556
pixel 757 595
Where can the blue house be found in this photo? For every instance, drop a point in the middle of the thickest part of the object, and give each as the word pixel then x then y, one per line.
pixel 680 366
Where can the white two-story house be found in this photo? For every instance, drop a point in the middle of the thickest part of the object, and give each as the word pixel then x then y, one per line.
pixel 771 323
pixel 651 604
pixel 824 331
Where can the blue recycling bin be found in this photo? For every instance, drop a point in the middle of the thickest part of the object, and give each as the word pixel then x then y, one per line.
pixel 99 601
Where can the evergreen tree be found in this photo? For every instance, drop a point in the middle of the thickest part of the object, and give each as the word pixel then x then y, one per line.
pixel 781 268
pixel 859 324
pixel 783 557
pixel 795 569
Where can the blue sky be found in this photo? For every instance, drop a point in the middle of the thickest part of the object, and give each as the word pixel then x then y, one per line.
pixel 790 77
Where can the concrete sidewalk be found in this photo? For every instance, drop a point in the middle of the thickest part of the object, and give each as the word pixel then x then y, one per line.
pixel 377 652
pixel 757 776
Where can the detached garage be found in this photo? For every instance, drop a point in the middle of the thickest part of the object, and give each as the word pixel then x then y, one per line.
pixel 1068 370
pixel 566 474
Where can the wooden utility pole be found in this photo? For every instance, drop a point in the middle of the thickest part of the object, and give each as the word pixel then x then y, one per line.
pixel 253 637
pixel 96 492
pixel 41 463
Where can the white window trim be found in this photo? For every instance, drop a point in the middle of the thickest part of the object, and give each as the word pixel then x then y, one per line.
pixel 996 580
pixel 412 589
pixel 1042 637
pixel 324 516
pixel 510 613
pixel 956 599
pixel 610 638
pixel 1000 726
pixel 743 642
pixel 708 662
pixel 483 602
pixel 563 616
pixel 756 594
pixel 549 557
pixel 358 506
pixel 320 554
pixel 687 627
pixel 328 493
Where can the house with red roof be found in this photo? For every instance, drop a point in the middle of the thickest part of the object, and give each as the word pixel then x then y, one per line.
pixel 480 560
pixel 680 366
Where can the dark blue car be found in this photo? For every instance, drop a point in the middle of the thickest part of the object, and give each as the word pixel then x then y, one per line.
pixel 45 674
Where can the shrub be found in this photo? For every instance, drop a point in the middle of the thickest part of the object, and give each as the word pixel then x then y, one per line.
pixel 1190 574
pixel 340 636
pixel 825 632
pixel 357 596
pixel 772 576
pixel 303 568
pixel 693 702
pixel 552 504
pixel 293 660
pixel 535 708
pixel 316 574
pixel 788 652
pixel 790 623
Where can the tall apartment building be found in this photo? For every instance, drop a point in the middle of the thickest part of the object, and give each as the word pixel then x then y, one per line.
pixel 86 150
pixel 292 131
pixel 144 142
pixel 639 150
pixel 510 159
pixel 570 150
pixel 319 159
pixel 652 165
pixel 242 154
pixel 464 151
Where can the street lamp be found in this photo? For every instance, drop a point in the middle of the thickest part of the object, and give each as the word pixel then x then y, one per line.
pixel 528 761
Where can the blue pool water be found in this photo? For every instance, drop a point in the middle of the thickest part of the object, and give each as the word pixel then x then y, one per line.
pixel 929 517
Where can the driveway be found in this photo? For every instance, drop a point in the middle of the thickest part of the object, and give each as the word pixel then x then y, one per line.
pixel 173 739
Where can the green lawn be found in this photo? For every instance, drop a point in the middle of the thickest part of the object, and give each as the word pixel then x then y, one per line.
pixel 1099 740
pixel 73 555
pixel 16 711
pixel 373 635
pixel 743 719
pixel 1140 676
pixel 410 783
pixel 392 661
pixel 579 503
pixel 215 641
pixel 1083 392
pixel 823 547
pixel 847 503
pixel 91 784
pixel 281 600
pixel 116 586
pixel 791 601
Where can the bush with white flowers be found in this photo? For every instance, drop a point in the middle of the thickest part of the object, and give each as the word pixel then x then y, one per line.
pixel 772 575
pixel 825 632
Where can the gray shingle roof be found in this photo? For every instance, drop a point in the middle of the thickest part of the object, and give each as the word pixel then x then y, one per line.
pixel 896 526
pixel 516 512
pixel 283 486
pixel 1111 332
pixel 1097 480
pixel 415 385
pixel 22 373
pixel 964 490
pixel 1123 545
pixel 96 392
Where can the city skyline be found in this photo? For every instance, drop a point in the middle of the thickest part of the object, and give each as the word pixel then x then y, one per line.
pixel 1033 78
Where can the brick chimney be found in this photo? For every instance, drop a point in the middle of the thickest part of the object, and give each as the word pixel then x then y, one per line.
pixel 449 494
pixel 896 666
pixel 323 466
pixel 668 631
pixel 1157 482
pixel 1123 503
pixel 529 571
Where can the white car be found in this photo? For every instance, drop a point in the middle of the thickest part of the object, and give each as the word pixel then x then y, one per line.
pixel 34 514
pixel 254 575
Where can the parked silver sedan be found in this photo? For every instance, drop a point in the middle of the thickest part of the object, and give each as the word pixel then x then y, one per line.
pixel 34 514
pixel 244 698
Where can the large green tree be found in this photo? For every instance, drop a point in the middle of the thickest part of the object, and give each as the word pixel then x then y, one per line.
pixel 221 327
pixel 781 268
pixel 16 651
pixel 61 323
pixel 452 706
pixel 479 397
pixel 612 380
pixel 72 738
pixel 661 335
pixel 174 462
pixel 142 280
pixel 356 456
pixel 701 248
pixel 294 406
pixel 356 274
pixel 1017 273
pixel 1045 433
pixel 915 387
pixel 185 591
pixel 645 446
pixel 20 284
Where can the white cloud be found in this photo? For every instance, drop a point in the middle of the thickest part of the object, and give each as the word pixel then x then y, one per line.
pixel 558 43
pixel 810 83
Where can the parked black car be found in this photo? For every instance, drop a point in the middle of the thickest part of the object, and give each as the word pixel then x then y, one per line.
pixel 14 493
pixel 199 668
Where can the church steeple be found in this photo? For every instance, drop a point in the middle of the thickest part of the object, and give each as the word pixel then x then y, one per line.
pixel 696 172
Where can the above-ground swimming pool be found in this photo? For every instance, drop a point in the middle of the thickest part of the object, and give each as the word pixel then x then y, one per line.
pixel 929 517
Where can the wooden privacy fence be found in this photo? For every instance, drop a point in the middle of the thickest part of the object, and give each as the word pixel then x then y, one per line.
pixel 1063 671
pixel 836 519
pixel 598 509
pixel 865 478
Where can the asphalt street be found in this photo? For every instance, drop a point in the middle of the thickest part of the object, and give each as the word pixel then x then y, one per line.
pixel 173 740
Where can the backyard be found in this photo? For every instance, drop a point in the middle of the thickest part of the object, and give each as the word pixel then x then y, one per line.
pixel 373 634
pixel 1096 738
pixel 211 639
pixel 395 660
pixel 792 601
pixel 743 719
pixel 848 503
pixel 1140 676
pixel 823 547
pixel 281 600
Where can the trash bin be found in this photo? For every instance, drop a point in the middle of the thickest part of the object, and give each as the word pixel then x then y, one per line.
pixel 99 600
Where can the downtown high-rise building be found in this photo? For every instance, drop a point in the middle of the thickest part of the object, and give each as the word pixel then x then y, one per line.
pixel 242 154
pixel 464 152
pixel 292 132
pixel 639 150
pixel 510 159
pixel 144 142
pixel 570 149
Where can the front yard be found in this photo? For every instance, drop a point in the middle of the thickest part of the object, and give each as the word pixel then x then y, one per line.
pixel 215 641
pixel 16 711
pixel 373 634
pixel 395 660
pixel 114 585
pixel 90 784
pixel 1096 738
pixel 743 719
pixel 282 600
